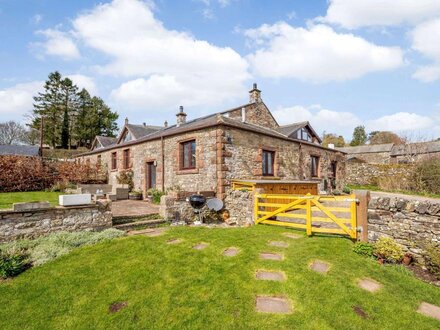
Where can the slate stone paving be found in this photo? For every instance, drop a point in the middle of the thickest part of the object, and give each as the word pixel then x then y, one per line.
pixel 278 244
pixel 292 235
pixel 231 252
pixel 200 246
pixel 150 232
pixel 174 241
pixel 369 284
pixel 276 305
pixel 319 266
pixel 271 256
pixel 429 310
pixel 270 275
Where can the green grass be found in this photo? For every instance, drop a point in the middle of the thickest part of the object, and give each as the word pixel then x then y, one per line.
pixel 405 192
pixel 7 199
pixel 177 287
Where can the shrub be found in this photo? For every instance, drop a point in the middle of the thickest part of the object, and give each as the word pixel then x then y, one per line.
pixel 155 194
pixel 364 249
pixel 126 177
pixel 427 176
pixel 62 186
pixel 346 190
pixel 432 258
pixel 387 249
pixel 12 262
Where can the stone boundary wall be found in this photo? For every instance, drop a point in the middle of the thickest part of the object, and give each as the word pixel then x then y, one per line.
pixel 365 173
pixel 412 223
pixel 38 222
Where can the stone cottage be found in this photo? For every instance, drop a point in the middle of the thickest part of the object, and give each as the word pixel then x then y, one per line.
pixel 207 153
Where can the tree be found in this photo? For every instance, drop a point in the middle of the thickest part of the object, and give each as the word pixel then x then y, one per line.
pixel 381 137
pixel 331 138
pixel 359 136
pixel 12 132
pixel 70 105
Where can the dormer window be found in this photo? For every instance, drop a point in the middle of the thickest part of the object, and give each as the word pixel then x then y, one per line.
pixel 304 134
pixel 127 136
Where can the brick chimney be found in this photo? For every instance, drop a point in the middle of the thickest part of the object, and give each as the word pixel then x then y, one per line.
pixel 181 116
pixel 254 94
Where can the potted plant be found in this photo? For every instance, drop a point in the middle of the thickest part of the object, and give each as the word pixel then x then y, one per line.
pixel 407 258
pixel 135 195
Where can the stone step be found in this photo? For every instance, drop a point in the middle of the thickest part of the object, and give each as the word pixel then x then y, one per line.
pixel 143 223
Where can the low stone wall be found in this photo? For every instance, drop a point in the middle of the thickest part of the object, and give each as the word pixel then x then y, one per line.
pixel 412 223
pixel 38 222
pixel 240 205
pixel 365 173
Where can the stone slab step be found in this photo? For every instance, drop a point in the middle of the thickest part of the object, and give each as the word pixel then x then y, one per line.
pixel 275 305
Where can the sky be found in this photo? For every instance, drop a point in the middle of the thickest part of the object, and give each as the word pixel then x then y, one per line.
pixel 336 63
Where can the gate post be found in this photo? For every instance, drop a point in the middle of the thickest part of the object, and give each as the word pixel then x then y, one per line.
pixel 363 197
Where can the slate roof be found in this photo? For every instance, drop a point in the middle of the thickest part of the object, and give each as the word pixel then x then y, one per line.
pixel 416 148
pixel 106 141
pixel 367 148
pixel 20 150
pixel 139 131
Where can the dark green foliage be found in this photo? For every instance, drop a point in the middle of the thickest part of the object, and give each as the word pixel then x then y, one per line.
pixel 432 258
pixel 346 190
pixel 71 117
pixel 155 194
pixel 364 249
pixel 359 136
pixel 12 263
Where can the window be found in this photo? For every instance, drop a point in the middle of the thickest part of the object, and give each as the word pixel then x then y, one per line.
pixel 304 134
pixel 188 152
pixel 268 162
pixel 114 161
pixel 314 165
pixel 127 136
pixel 334 168
pixel 126 158
pixel 98 160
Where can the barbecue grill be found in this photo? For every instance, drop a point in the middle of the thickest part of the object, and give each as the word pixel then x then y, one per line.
pixel 197 202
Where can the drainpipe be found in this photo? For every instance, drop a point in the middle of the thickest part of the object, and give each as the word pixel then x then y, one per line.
pixel 163 163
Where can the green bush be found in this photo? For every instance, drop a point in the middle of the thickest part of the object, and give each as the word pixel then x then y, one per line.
pixel 155 194
pixel 432 258
pixel 364 249
pixel 427 176
pixel 12 262
pixel 346 190
pixel 387 249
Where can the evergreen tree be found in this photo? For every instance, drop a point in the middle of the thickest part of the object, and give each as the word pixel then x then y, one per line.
pixel 359 136
pixel 70 105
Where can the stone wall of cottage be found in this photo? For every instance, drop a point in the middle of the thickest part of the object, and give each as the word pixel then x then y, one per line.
pixel 369 174
pixel 414 224
pixel 38 222
pixel 243 158
pixel 373 157
pixel 256 113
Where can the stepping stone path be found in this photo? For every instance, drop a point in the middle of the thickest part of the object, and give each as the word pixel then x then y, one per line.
pixel 429 310
pixel 270 275
pixel 319 266
pixel 231 252
pixel 291 235
pixel 369 284
pixel 174 241
pixel 150 232
pixel 278 244
pixel 200 246
pixel 277 305
pixel 271 256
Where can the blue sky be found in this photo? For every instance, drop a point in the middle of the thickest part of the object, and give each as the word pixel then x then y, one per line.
pixel 337 64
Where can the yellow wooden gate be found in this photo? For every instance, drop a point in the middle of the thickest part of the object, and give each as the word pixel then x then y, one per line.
pixel 315 214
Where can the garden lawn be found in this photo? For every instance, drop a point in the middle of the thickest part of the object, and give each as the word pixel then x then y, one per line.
pixel 7 199
pixel 175 286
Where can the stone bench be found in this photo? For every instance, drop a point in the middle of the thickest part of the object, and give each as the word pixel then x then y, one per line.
pixel 74 200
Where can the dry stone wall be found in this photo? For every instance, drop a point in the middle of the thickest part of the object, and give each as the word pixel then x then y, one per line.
pixel 366 174
pixel 38 222
pixel 412 223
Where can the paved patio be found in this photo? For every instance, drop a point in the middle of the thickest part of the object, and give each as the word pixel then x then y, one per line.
pixel 126 208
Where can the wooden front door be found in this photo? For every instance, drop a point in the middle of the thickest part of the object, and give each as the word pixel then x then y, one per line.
pixel 151 175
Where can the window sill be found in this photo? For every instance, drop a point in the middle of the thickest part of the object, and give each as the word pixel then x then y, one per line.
pixel 188 171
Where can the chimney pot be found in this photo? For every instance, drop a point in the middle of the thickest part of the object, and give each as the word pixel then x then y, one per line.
pixel 181 108
pixel 181 116
pixel 254 94
pixel 165 124
pixel 126 120
pixel 144 124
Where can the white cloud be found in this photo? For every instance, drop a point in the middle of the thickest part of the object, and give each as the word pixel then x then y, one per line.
pixel 84 82
pixel 317 54
pixel 320 118
pixel 142 49
pixel 353 14
pixel 36 19
pixel 17 101
pixel 399 122
pixel 425 39
pixel 58 43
